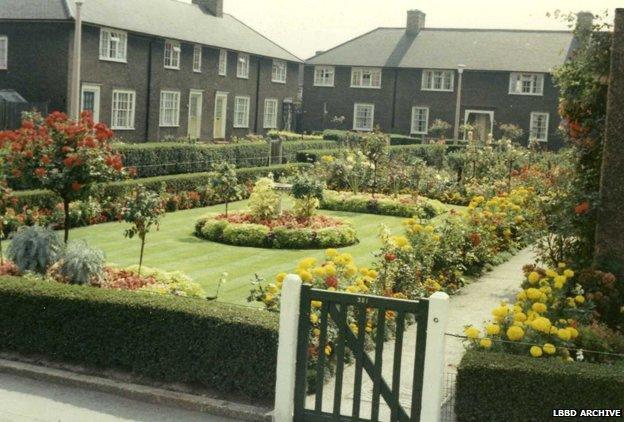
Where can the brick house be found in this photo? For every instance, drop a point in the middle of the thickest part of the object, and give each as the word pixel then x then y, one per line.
pixel 151 69
pixel 402 79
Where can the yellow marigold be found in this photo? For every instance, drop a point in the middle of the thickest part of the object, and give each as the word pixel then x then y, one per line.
pixel 472 332
pixel 316 332
pixel 328 350
pixel 541 324
pixel 314 318
pixel 399 241
pixel 573 332
pixel 307 263
pixel 536 351
pixel 486 343
pixel 354 328
pixel 306 275
pixel 564 334
pixel 280 277
pixel 520 316
pixel 568 273
pixel 579 299
pixel 330 253
pixel 492 329
pixel 518 219
pixel 318 271
pixel 533 293
pixel 521 296
pixel 533 277
pixel 551 273
pixel 515 333
pixel 372 274
pixel 272 288
pixel 560 279
pixel 351 270
pixel 539 307
pixel 549 349
pixel 268 297
pixel 501 311
pixel 553 330
pixel 316 304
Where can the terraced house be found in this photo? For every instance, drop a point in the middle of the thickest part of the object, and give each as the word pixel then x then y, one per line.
pixel 151 69
pixel 402 79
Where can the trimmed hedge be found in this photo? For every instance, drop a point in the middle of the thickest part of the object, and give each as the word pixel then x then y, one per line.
pixel 172 183
pixel 348 202
pixel 395 139
pixel 260 236
pixel 165 158
pixel 497 386
pixel 172 339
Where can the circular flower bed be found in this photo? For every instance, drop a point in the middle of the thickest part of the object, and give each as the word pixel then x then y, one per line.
pixel 283 232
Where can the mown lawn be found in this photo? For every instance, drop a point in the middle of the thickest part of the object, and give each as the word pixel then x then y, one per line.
pixel 174 247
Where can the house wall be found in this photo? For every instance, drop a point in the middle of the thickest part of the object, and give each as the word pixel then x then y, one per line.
pixel 481 90
pixel 37 61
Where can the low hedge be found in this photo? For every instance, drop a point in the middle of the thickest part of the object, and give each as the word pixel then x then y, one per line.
pixel 165 158
pixel 260 236
pixel 172 183
pixel 497 386
pixel 382 205
pixel 395 139
pixel 163 338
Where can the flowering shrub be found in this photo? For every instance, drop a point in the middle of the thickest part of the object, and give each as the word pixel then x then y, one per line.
pixel 174 282
pixel 264 202
pixel 543 321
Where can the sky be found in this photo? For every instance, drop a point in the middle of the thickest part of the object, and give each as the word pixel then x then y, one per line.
pixel 305 26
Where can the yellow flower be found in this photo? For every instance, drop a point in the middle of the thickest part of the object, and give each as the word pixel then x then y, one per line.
pixel 538 307
pixel 472 332
pixel 551 273
pixel 541 324
pixel 501 311
pixel 330 270
pixel 316 332
pixel 549 349
pixel 268 297
pixel 328 350
pixel 568 273
pixel 573 332
pixel 351 270
pixel 536 351
pixel 521 296
pixel 307 263
pixel 319 271
pixel 533 293
pixel 518 219
pixel 354 328
pixel 330 253
pixel 533 277
pixel 280 277
pixel 564 334
pixel 580 299
pixel 560 279
pixel 314 318
pixel 492 329
pixel 515 333
pixel 316 304
pixel 561 265
pixel 306 275
pixel 486 343
pixel 520 317
pixel 399 241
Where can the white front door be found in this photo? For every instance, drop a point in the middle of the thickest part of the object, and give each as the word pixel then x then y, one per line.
pixel 195 113
pixel 220 115
pixel 90 100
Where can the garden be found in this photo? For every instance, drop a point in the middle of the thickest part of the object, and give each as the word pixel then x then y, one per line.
pixel 184 247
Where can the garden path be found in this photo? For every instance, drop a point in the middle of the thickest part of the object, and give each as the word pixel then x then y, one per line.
pixel 472 306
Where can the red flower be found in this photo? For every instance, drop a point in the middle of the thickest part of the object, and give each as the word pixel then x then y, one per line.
pixel 76 186
pixel 69 161
pixel 45 159
pixel 390 257
pixel 331 281
pixel 582 208
pixel 475 239
pixel 40 171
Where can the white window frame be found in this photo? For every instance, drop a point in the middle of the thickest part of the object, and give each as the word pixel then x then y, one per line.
pixel 172 53
pixel 114 123
pixel 197 58
pixel 270 120
pixel 4 57
pixel 162 122
pixel 244 124
pixel 242 66
pixel 534 116
pixel 121 45
pixel 357 77
pixel 324 76
pixel 279 71
pixel 223 62
pixel 535 81
pixel 429 75
pixel 414 130
pixel 372 118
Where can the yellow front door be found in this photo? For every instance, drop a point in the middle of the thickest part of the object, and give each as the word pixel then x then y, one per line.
pixel 195 113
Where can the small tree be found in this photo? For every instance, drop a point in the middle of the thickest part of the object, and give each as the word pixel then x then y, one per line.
pixel 307 191
pixel 439 128
pixel 143 210
pixel 224 182
pixel 264 202
pixel 64 156
pixel 375 148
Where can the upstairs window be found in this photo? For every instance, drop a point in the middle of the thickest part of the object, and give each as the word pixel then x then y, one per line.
pixel 4 52
pixel 279 71
pixel 172 55
pixel 539 126
pixel 438 80
pixel 363 117
pixel 526 84
pixel 223 58
pixel 365 78
pixel 324 75
pixel 242 66
pixel 169 108
pixel 113 45
pixel 420 120
pixel 197 58
pixel 241 112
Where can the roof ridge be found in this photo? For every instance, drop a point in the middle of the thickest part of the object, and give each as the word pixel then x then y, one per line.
pixel 562 31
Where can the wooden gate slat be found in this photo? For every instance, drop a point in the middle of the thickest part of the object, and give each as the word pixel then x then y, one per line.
pixel 379 343
pixel 320 367
pixel 358 353
pixel 340 318
pixel 419 364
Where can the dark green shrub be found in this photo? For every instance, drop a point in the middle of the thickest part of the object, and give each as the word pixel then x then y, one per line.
pixel 403 140
pixel 81 264
pixel 284 238
pixel 171 339
pixel 253 235
pixel 35 249
pixel 494 386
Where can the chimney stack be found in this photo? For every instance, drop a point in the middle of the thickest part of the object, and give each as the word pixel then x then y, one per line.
pixel 415 22
pixel 584 21
pixel 214 7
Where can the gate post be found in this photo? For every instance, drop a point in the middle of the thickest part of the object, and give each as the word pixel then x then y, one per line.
pixel 287 350
pixel 437 321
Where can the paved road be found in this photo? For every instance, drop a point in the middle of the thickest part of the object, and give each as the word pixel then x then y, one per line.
pixel 27 400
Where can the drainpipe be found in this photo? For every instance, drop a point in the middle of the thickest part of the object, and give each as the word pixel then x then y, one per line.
pixel 149 90
pixel 394 99
pixel 257 96
pixel 460 71
pixel 74 105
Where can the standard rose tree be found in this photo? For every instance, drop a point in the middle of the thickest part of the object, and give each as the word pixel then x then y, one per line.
pixel 65 156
